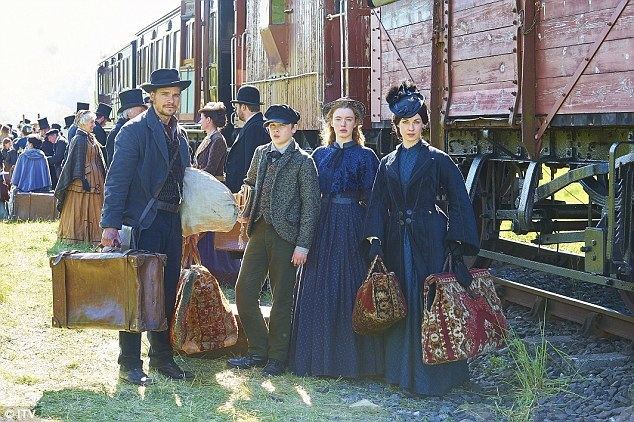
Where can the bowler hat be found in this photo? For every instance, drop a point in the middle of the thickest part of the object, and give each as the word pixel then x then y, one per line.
pixel 43 122
pixel 281 113
pixel 103 110
pixel 248 94
pixel 52 132
pixel 56 126
pixel 131 98
pixel 163 78
pixel 68 121
pixel 344 102
pixel 82 106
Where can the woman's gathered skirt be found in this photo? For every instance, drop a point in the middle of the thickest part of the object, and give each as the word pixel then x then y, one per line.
pixel 81 213
pixel 219 263
pixel 403 348
pixel 323 342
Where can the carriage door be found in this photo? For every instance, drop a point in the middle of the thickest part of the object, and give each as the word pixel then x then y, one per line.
pixel 210 52
pixel 334 86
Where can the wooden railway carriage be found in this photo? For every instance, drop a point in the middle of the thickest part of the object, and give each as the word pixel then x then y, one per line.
pixel 519 89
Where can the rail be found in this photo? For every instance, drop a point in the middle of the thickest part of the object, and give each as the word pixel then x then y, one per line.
pixel 594 319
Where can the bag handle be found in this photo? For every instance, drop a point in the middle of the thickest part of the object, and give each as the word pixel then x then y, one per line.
pixel 191 254
pixel 377 262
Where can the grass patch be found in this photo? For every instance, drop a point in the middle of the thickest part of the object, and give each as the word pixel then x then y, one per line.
pixel 72 374
pixel 530 381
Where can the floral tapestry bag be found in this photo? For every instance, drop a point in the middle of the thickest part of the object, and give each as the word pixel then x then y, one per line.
pixel 461 322
pixel 379 303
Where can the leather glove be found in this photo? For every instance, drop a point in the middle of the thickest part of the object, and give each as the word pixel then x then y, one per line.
pixel 85 185
pixel 375 250
pixel 463 276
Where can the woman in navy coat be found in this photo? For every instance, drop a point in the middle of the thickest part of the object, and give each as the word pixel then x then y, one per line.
pixel 405 223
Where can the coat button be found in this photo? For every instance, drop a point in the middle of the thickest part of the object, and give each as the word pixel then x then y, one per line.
pixel 400 213
pixel 409 212
pixel 429 212
pixel 401 222
pixel 408 220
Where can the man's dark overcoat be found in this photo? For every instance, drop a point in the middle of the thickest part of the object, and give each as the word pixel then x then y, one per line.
pixel 251 136
pixel 138 168
pixel 110 140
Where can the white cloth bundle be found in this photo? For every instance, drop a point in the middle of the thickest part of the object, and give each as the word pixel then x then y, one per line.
pixel 208 205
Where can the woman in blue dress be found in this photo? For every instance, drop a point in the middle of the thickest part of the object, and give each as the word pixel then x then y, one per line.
pixel 405 223
pixel 323 342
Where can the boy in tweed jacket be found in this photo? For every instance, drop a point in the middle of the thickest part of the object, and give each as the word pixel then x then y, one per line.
pixel 282 219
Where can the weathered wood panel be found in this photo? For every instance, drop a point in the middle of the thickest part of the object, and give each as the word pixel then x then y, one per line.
pixel 613 56
pixel 421 77
pixel 484 70
pixel 555 9
pixel 483 44
pixel 457 5
pixel 483 18
pixel 583 28
pixel 412 57
pixel 595 93
pixel 482 100
pixel 407 36
pixel 406 12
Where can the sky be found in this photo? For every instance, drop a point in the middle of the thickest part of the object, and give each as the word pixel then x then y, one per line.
pixel 50 49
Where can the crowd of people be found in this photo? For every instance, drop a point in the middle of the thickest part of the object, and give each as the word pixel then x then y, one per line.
pixel 314 221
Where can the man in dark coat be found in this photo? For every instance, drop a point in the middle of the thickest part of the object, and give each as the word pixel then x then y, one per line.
pixel 143 189
pixel 252 135
pixel 132 105
pixel 56 158
pixel 103 116
pixel 43 126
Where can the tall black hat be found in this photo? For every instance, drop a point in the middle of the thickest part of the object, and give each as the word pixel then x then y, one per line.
pixel 68 121
pixel 43 122
pixel 131 98
pixel 248 94
pixel 56 126
pixel 27 121
pixel 103 110
pixel 163 78
pixel 281 113
pixel 405 100
pixel 82 106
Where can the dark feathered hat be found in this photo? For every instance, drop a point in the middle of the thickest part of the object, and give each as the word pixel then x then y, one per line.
pixel 405 100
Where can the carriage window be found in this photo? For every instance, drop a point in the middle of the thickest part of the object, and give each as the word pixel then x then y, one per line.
pixel 167 51
pixel 159 53
pixel 278 17
pixel 176 49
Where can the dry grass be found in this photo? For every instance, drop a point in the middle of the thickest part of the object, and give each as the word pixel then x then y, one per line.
pixel 72 374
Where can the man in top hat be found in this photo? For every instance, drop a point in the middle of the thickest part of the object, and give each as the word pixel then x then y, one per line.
pixel 103 115
pixel 132 105
pixel 143 189
pixel 56 158
pixel 73 127
pixel 251 136
pixel 48 146
pixel 43 126
pixel 282 219
pixel 68 122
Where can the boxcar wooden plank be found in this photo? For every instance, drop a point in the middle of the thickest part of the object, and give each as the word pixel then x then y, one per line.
pixel 408 36
pixel 595 93
pixel 483 18
pixel 484 70
pixel 483 44
pixel 413 57
pixel 482 100
pixel 406 12
pixel 613 56
pixel 555 9
pixel 583 28
pixel 421 76
pixel 457 5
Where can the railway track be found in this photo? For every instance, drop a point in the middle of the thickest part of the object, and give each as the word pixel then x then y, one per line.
pixel 594 319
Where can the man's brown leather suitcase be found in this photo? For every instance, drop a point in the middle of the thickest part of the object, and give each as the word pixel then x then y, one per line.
pixel 119 291
pixel 34 206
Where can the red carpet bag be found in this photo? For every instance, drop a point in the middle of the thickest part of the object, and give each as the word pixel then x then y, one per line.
pixel 379 303
pixel 203 320
pixel 461 323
